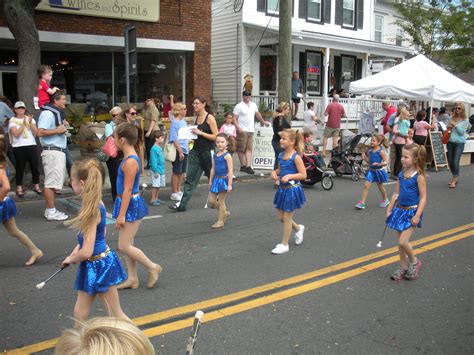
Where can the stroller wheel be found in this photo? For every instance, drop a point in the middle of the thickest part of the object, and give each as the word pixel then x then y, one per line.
pixel 355 177
pixel 327 183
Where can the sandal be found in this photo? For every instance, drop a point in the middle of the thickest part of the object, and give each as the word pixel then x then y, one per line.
pixel 38 191
pixel 20 193
pixel 452 185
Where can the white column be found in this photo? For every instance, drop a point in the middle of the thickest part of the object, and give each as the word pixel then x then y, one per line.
pixel 327 57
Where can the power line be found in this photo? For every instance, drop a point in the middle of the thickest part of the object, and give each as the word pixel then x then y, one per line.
pixel 258 44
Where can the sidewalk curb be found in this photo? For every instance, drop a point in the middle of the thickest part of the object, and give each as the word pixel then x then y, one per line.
pixel 67 191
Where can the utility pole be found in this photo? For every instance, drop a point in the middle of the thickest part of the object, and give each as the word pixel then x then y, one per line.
pixel 284 51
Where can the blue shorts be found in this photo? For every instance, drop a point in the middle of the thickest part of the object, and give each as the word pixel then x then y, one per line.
pixel 179 166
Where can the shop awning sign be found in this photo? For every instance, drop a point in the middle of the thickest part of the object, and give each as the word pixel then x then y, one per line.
pixel 137 10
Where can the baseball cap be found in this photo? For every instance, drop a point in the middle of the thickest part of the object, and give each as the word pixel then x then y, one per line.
pixel 20 104
pixel 246 93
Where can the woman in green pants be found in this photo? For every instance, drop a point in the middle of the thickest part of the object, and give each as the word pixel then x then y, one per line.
pixel 200 159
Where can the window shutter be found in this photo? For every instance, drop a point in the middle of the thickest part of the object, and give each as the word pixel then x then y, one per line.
pixel 261 5
pixel 338 19
pixel 302 8
pixel 338 71
pixel 358 69
pixel 360 14
pixel 327 11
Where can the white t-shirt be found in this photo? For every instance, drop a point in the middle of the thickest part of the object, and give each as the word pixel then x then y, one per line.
pixel 246 115
pixel 26 137
pixel 308 118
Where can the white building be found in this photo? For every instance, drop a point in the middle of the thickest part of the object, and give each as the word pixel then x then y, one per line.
pixel 333 43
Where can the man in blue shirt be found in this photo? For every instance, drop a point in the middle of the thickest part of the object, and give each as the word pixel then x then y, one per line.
pixel 296 88
pixel 52 133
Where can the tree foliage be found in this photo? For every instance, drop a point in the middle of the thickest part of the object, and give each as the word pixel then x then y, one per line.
pixel 442 30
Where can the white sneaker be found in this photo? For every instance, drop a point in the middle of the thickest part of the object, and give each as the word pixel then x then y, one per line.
pixel 175 196
pixel 280 249
pixel 180 193
pixel 55 216
pixel 299 235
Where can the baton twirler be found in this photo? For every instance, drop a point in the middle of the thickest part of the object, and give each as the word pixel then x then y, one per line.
pixel 194 332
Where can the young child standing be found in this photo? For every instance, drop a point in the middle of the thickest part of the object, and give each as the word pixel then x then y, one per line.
pixel 220 179
pixel 45 74
pixel 157 167
pixel 405 212
pixel 130 208
pixel 289 195
pixel 8 211
pixel 100 270
pixel 377 160
pixel 229 129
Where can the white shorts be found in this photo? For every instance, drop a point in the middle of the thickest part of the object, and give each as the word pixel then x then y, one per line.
pixel 157 180
pixel 54 165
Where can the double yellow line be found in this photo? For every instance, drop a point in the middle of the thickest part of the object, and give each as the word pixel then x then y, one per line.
pixel 219 307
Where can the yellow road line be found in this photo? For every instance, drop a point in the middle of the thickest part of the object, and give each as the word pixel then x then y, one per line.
pixel 48 344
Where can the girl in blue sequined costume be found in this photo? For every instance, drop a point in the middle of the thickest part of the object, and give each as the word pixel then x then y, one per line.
pixel 377 160
pixel 8 211
pixel 130 208
pixel 289 195
pixel 220 179
pixel 99 271
pixel 405 211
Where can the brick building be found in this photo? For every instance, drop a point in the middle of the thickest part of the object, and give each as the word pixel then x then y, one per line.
pixel 84 44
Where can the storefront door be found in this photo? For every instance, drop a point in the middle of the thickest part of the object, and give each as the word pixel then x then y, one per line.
pixel 8 86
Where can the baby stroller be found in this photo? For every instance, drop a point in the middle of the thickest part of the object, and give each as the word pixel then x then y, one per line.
pixel 345 160
pixel 315 174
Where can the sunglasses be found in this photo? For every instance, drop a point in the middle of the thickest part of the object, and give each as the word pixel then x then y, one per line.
pixel 458 108
pixel 115 115
pixel 132 113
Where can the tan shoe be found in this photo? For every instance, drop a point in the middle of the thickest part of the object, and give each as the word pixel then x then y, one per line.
pixel 153 276
pixel 218 224
pixel 129 284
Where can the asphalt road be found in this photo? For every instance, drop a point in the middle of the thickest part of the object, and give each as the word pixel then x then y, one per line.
pixel 326 306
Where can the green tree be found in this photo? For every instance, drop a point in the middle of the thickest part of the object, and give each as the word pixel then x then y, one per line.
pixel 19 17
pixel 442 30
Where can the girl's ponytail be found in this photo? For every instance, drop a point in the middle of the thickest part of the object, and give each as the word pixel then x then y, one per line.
pixel 421 159
pixel 92 173
pixel 299 142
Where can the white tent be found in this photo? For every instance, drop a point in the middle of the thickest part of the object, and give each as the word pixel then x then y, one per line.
pixel 416 78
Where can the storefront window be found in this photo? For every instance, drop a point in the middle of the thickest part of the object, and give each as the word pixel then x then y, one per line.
pixel 348 71
pixel 268 73
pixel 313 73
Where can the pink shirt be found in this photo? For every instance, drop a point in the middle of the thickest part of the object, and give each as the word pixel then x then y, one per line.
pixel 228 129
pixel 421 128
pixel 43 96
pixel 334 112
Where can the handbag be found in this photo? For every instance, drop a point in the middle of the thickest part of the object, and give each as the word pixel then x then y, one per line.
pixel 169 150
pixel 109 148
pixel 445 137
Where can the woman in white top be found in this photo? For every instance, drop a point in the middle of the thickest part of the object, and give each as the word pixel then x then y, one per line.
pixel 23 131
pixel 310 118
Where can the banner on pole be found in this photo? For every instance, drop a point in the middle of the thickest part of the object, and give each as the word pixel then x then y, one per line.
pixel 263 155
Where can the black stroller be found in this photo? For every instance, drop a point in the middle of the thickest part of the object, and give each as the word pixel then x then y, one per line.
pixel 315 174
pixel 346 160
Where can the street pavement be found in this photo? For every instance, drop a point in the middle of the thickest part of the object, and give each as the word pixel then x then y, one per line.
pixel 330 295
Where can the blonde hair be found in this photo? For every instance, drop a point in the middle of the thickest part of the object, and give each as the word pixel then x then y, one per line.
pixel 177 107
pixel 104 336
pixel 418 152
pixel 297 136
pixel 92 173
pixel 381 139
pixel 463 111
pixel 404 114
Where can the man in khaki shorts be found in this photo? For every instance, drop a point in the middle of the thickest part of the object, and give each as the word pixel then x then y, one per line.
pixel 244 121
pixel 335 111
pixel 52 133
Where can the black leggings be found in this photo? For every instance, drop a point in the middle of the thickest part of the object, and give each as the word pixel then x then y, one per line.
pixel 23 155
pixel 397 167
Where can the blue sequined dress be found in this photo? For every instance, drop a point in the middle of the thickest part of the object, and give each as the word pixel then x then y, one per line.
pixel 100 271
pixel 288 197
pixel 220 180
pixel 376 173
pixel 7 206
pixel 407 204
pixel 137 208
